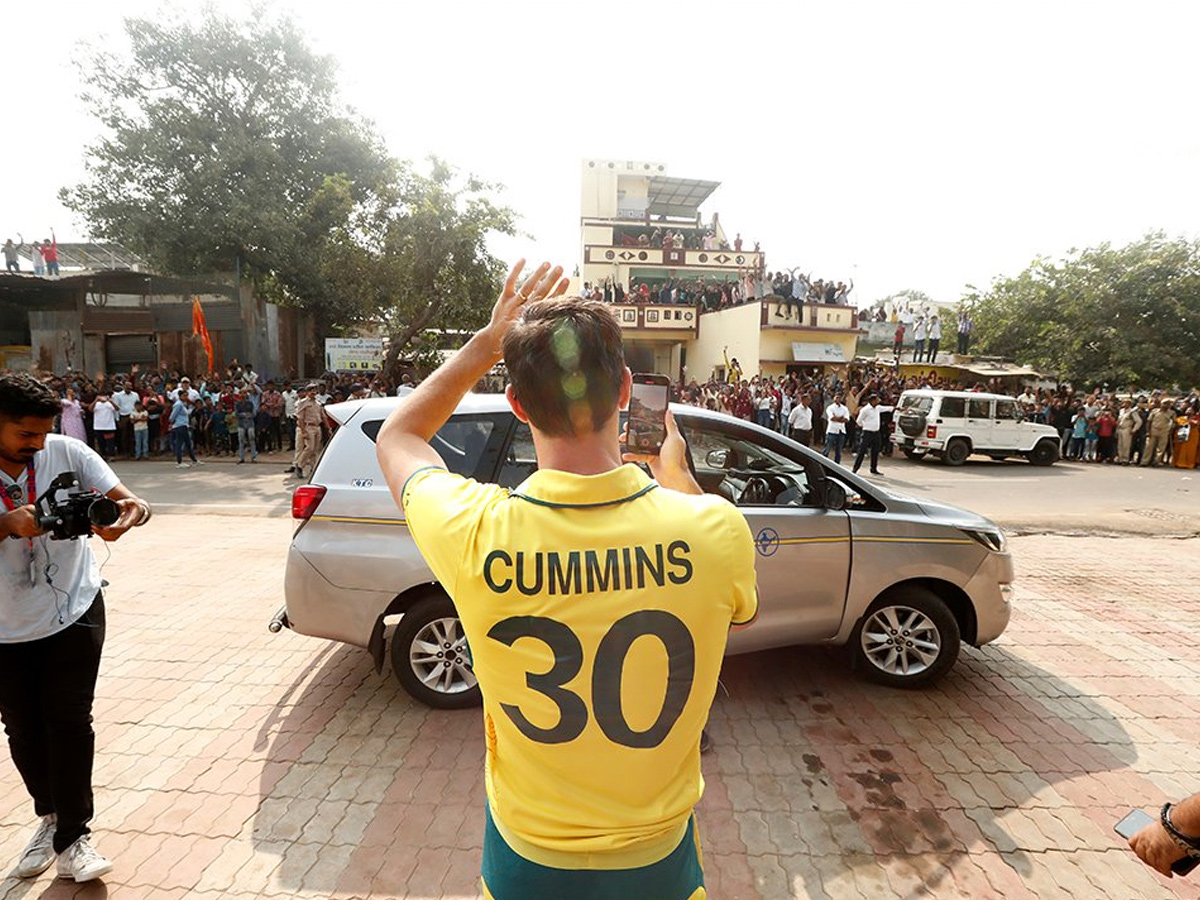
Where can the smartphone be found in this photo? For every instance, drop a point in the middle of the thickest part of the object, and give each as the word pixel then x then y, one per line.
pixel 648 413
pixel 1134 821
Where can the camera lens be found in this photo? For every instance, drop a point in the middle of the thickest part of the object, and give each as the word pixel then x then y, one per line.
pixel 103 512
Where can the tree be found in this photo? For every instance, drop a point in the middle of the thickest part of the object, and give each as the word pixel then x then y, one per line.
pixel 424 262
pixel 225 147
pixel 1126 316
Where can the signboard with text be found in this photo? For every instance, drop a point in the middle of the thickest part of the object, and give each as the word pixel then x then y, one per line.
pixel 353 354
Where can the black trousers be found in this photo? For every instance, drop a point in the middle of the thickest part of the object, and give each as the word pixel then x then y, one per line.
pixel 46 692
pixel 869 441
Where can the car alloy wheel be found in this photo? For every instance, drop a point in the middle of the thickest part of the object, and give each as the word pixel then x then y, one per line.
pixel 901 641
pixel 431 658
pixel 906 639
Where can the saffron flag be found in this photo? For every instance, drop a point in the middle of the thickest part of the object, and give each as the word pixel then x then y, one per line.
pixel 198 327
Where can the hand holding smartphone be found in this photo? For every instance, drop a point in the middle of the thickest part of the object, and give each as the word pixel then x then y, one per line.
pixel 647 427
pixel 1134 821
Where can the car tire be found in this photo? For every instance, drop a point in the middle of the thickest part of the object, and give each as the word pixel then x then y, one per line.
pixel 915 454
pixel 1044 453
pixel 429 631
pixel 919 618
pixel 956 452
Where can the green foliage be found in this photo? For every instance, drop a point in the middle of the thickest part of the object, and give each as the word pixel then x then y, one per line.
pixel 1123 316
pixel 225 146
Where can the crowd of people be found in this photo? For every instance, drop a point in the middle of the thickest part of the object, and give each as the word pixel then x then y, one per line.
pixel 140 415
pixel 792 289
pixel 44 254
pixel 1148 429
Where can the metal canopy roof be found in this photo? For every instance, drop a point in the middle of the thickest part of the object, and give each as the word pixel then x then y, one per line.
pixel 678 196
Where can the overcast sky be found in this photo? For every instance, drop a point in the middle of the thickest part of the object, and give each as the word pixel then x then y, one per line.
pixel 906 145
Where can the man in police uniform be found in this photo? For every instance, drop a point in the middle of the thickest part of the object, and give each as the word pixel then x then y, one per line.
pixel 51 627
pixel 596 603
pixel 308 432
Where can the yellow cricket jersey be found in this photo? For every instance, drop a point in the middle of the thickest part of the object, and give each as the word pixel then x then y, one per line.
pixel 596 609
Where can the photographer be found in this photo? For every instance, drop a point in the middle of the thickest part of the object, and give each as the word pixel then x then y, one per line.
pixel 52 619
pixel 590 786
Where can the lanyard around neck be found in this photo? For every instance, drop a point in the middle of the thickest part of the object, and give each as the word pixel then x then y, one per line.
pixel 10 499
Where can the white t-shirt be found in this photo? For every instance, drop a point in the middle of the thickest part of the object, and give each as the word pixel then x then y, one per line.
pixel 28 611
pixel 104 416
pixel 837 409
pixel 868 416
pixel 125 401
pixel 800 418
pixel 290 398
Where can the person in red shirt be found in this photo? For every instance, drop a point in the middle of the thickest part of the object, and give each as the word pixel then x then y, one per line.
pixel 50 253
pixel 1106 428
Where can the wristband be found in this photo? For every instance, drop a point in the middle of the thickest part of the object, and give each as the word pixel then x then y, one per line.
pixel 1189 845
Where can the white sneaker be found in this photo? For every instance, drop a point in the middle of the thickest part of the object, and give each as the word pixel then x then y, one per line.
pixel 39 852
pixel 81 862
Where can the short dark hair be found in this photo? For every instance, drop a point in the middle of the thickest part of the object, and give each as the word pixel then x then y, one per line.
pixel 23 395
pixel 566 362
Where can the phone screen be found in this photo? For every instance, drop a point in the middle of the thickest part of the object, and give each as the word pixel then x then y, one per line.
pixel 1134 821
pixel 647 414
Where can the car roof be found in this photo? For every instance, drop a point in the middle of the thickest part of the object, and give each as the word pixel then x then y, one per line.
pixel 976 395
pixel 379 407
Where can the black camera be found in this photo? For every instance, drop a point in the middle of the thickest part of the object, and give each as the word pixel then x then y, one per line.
pixel 74 515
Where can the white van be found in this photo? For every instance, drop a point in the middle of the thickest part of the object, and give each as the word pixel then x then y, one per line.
pixel 954 424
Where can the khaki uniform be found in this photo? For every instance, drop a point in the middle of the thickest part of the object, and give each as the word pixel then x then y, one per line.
pixel 1158 440
pixel 308 433
pixel 1129 422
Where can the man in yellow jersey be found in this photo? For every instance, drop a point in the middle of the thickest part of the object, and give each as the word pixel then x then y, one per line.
pixel 596 603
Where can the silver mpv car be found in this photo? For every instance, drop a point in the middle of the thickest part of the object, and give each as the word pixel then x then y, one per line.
pixel 840 560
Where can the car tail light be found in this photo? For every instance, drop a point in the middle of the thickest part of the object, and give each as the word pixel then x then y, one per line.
pixel 306 499
pixel 931 431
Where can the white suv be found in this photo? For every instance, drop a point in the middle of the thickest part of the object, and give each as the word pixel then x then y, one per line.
pixel 954 424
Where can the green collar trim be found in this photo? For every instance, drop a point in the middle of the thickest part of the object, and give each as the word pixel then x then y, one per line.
pixel 552 505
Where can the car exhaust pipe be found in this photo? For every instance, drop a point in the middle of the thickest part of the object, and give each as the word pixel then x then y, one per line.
pixel 279 622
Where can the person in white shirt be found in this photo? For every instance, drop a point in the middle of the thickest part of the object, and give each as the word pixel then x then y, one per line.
pixel 837 414
pixel 800 421
pixel 104 424
pixel 868 421
pixel 935 338
pixel 185 386
pixel 919 340
pixel 125 399
pixel 290 397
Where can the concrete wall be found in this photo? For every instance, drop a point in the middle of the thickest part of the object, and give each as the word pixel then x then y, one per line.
pixel 56 339
pixel 737 328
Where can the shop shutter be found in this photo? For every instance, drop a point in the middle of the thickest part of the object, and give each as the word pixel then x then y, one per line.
pixel 123 350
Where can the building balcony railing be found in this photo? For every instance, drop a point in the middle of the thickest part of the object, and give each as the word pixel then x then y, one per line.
pixel 728 260
pixel 826 316
pixel 658 317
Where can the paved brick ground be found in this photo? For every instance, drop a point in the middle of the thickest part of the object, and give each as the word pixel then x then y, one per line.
pixel 234 763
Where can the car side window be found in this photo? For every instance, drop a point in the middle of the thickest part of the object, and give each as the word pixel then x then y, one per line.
pixel 745 472
pixel 1006 409
pixel 953 408
pixel 520 461
pixel 979 409
pixel 467 444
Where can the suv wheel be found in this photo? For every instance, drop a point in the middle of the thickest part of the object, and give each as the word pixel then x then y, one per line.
pixel 1044 453
pixel 430 656
pixel 956 452
pixel 907 639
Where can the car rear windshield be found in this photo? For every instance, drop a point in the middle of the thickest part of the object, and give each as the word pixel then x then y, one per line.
pixel 915 403
pixel 460 442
